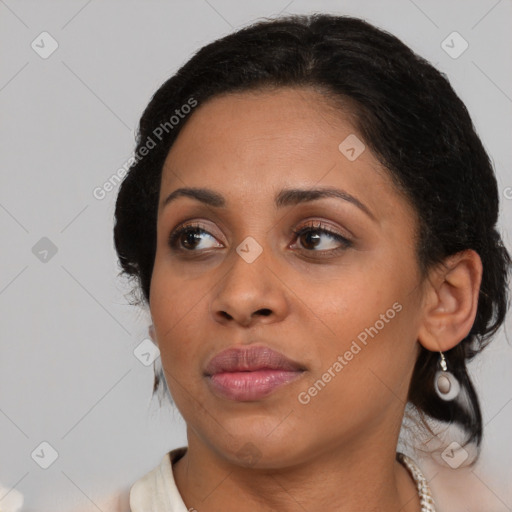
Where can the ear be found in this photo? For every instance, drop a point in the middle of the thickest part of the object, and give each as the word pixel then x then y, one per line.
pixel 450 301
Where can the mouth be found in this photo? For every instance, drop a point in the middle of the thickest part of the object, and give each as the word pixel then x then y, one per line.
pixel 250 373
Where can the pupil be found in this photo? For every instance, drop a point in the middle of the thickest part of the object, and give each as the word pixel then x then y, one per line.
pixel 191 238
pixel 309 237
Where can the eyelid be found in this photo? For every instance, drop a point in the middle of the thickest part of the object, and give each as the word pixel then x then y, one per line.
pixel 194 222
pixel 322 225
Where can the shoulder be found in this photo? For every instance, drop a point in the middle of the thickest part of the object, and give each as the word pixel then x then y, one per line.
pixel 113 502
pixel 156 490
pixel 466 489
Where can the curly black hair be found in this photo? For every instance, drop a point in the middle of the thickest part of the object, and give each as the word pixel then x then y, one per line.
pixel 405 110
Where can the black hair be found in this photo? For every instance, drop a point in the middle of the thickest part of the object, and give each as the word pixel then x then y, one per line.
pixel 407 113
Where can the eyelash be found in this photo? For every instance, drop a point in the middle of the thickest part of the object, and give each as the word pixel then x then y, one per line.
pixel 313 228
pixel 320 228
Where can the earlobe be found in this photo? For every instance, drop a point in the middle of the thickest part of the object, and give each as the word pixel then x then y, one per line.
pixel 451 303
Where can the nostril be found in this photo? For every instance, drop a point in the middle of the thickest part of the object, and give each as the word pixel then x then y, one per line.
pixel 264 312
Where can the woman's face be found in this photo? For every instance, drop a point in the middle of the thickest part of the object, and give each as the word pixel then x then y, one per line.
pixel 345 307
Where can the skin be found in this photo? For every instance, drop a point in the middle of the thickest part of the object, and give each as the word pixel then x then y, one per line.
pixel 338 451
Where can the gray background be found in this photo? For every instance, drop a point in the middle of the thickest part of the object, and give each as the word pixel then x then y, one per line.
pixel 68 373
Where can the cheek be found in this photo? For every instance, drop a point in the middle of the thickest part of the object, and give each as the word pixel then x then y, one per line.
pixel 355 297
pixel 172 298
pixel 178 309
pixel 362 378
pixel 371 313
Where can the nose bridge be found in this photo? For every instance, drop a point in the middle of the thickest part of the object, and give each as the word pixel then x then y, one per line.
pixel 248 285
pixel 253 234
pixel 249 262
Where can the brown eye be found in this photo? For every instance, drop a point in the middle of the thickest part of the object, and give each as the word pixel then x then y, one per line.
pixel 189 237
pixel 316 238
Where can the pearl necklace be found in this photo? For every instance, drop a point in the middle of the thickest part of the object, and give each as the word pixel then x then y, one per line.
pixel 426 499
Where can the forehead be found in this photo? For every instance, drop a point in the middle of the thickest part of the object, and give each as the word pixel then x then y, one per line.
pixel 277 119
pixel 252 144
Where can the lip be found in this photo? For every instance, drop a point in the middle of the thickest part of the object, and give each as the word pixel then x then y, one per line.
pixel 250 373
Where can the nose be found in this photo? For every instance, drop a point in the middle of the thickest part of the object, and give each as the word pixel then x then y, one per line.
pixel 249 293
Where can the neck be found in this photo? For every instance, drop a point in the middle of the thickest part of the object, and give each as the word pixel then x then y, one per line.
pixel 358 477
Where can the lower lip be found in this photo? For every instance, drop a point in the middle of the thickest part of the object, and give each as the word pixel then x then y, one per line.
pixel 247 386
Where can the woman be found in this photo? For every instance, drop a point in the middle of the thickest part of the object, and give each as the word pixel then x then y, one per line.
pixel 311 220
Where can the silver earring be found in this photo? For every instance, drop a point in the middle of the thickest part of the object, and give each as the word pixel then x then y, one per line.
pixel 447 386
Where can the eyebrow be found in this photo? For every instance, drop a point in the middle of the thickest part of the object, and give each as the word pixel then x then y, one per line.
pixel 286 197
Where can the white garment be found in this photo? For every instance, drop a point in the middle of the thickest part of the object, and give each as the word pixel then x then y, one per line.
pixel 157 492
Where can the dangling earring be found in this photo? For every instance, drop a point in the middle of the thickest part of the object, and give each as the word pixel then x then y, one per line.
pixel 447 386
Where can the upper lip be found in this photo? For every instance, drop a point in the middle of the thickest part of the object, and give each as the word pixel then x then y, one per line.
pixel 240 359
